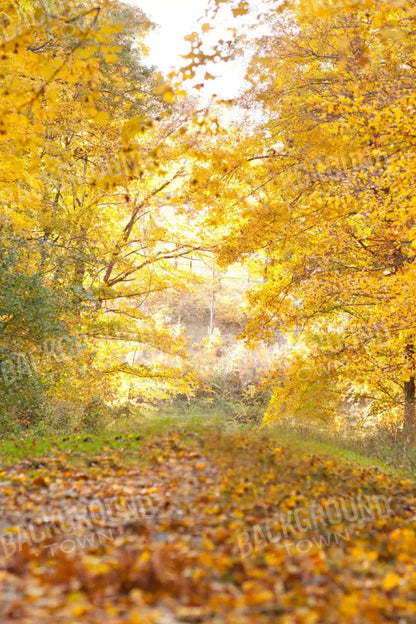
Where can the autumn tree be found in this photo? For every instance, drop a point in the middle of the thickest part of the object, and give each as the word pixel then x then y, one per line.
pixel 323 188
pixel 93 151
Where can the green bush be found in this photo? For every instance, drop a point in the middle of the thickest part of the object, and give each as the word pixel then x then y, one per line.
pixel 95 416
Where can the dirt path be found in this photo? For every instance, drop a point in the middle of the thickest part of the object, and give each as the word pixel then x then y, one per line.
pixel 206 529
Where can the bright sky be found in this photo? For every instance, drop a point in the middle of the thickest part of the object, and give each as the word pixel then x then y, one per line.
pixel 177 18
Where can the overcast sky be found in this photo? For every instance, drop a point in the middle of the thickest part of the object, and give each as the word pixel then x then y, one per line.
pixel 175 19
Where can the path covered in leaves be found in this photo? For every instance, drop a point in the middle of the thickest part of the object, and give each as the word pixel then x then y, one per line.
pixel 213 528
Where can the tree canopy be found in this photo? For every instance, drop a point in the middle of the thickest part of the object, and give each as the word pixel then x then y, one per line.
pixel 111 174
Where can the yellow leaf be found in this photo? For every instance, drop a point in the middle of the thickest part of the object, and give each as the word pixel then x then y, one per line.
pixel 349 605
pixel 93 565
pixel 111 58
pixel 102 118
pixel 391 581
pixel 242 9
pixel 192 37
pixel 145 556
pixel 85 53
pixel 15 530
pixel 169 95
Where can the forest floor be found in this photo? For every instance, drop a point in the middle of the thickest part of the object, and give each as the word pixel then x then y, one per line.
pixel 212 527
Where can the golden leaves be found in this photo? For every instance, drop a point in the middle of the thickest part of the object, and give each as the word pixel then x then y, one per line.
pixel 182 549
pixel 167 91
pixel 335 208
pixel 392 33
pixel 111 58
pixel 133 127
pixel 242 9
pixel 102 118
pixel 193 37
pixel 391 581
pixel 70 152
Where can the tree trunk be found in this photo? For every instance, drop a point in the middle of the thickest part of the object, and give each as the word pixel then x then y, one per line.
pixel 212 307
pixel 410 395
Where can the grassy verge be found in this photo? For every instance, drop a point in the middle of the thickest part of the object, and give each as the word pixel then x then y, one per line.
pixel 370 450
pixel 126 438
pixel 121 437
pixel 331 450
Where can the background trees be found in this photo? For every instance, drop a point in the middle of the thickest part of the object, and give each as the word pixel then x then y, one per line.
pixel 108 181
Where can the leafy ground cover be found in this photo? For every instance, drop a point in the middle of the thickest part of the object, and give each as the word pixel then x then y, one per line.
pixel 210 527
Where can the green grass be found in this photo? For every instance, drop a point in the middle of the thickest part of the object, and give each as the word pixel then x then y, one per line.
pixel 12 451
pixel 126 438
pixel 81 446
pixel 321 448
pixel 365 451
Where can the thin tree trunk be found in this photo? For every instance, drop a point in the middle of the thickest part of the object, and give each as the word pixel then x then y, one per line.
pixel 212 306
pixel 410 395
pixel 269 263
